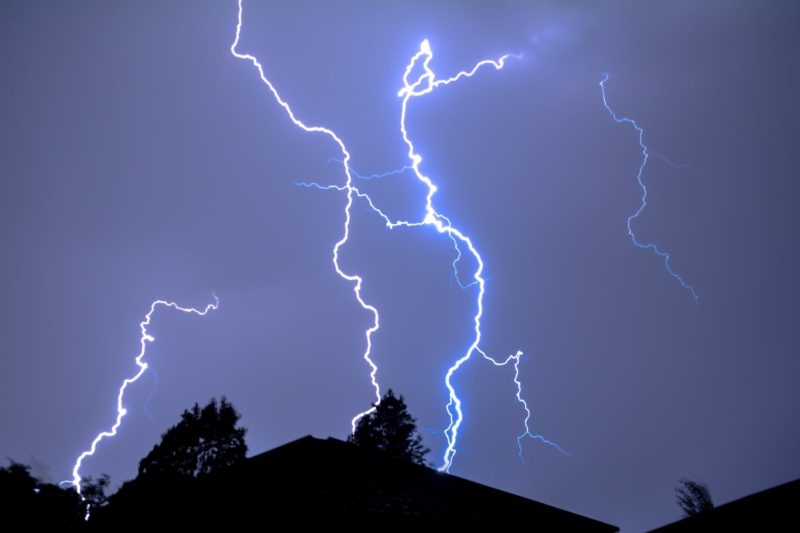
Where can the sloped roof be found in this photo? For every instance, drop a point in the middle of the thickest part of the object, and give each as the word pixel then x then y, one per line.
pixel 773 509
pixel 340 481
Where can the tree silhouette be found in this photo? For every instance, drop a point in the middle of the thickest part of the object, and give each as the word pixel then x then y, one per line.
pixel 93 493
pixel 390 428
pixel 35 504
pixel 176 472
pixel 205 440
pixel 693 497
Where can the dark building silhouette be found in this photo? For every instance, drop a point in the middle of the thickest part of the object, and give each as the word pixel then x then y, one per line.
pixel 774 509
pixel 312 481
pixel 340 480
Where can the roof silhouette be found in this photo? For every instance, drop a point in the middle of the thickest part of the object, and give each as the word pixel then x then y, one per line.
pixel 339 480
pixel 312 481
pixel 773 509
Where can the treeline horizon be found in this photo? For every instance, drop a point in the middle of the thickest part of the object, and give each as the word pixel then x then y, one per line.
pixel 206 441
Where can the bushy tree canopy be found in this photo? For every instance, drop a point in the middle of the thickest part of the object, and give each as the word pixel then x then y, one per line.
pixel 693 497
pixel 390 428
pixel 203 441
pixel 174 474
pixel 30 503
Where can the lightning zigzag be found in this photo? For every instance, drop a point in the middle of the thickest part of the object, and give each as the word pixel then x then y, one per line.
pixel 350 191
pixel 647 153
pixel 121 411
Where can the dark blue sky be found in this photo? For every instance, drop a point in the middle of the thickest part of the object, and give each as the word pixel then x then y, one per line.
pixel 140 160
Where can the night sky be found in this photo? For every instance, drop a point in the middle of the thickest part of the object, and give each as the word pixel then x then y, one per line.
pixel 140 160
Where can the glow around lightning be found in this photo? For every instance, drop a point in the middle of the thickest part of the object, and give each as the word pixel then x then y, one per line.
pixel 121 411
pixel 647 153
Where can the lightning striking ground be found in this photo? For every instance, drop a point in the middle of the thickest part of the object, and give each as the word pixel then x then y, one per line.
pixel 76 478
pixel 646 152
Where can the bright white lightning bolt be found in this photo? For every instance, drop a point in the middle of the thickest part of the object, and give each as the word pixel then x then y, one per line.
pixel 76 478
pixel 350 190
pixel 426 83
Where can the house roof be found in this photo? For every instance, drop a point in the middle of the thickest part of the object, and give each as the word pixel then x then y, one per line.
pixel 773 509
pixel 336 479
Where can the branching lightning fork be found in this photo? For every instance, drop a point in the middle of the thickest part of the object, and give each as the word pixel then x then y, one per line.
pixel 426 83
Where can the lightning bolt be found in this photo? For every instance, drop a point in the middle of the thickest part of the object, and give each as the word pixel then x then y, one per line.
pixel 425 84
pixel 647 153
pixel 350 191
pixel 76 478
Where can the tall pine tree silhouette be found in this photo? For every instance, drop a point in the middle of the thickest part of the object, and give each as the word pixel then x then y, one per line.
pixel 391 429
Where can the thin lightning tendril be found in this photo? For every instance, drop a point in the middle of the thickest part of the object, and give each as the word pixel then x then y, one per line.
pixel 527 433
pixel 121 411
pixel 371 176
pixel 150 396
pixel 646 152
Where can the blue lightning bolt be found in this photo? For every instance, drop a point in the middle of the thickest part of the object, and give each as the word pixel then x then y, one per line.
pixel 76 478
pixel 426 83
pixel 646 152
